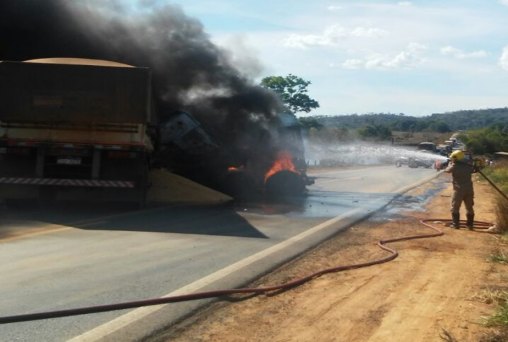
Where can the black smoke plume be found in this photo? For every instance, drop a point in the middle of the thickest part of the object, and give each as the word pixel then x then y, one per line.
pixel 189 72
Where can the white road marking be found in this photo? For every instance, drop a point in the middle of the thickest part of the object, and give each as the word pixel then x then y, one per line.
pixel 137 314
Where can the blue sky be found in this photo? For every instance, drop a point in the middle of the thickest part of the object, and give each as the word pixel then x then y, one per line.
pixel 411 57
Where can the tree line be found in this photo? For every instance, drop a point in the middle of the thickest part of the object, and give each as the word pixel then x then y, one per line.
pixel 484 131
pixel 442 123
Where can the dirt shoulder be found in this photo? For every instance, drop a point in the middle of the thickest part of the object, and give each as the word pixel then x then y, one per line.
pixel 438 289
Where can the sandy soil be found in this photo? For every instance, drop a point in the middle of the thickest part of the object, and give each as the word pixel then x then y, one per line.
pixel 168 187
pixel 438 289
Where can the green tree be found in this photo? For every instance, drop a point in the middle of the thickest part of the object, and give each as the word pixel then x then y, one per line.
pixel 439 126
pixel 487 140
pixel 308 123
pixel 375 132
pixel 292 90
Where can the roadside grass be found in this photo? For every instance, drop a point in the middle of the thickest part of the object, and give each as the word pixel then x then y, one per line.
pixel 499 176
pixel 500 298
pixel 499 320
pixel 499 257
pixel 497 336
pixel 491 295
pixel 502 215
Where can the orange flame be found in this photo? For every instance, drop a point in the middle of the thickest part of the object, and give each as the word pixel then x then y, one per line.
pixel 283 162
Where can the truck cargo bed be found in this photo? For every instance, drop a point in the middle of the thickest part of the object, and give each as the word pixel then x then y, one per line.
pixel 60 93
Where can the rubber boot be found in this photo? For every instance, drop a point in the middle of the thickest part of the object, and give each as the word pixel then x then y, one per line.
pixel 470 221
pixel 455 221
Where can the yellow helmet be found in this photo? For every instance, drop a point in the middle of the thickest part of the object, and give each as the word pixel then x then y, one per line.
pixel 457 155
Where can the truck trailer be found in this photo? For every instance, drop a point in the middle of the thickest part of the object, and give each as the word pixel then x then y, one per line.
pixel 75 125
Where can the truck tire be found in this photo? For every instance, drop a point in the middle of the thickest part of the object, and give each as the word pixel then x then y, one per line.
pixel 283 184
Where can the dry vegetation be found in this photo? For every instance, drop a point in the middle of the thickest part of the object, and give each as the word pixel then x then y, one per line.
pixel 413 138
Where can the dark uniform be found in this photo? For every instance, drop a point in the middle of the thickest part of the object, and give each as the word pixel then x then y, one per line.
pixel 462 191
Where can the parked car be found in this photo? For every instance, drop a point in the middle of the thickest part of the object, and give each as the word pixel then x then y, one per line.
pixel 427 146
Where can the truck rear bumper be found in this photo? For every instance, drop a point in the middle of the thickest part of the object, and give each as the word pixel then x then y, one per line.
pixel 90 183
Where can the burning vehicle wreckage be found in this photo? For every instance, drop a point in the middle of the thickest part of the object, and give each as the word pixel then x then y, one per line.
pixel 273 166
pixel 89 123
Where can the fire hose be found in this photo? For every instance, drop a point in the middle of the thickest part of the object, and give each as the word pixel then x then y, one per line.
pixel 493 184
pixel 228 292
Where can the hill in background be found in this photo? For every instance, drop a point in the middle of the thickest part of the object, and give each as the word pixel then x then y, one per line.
pixel 445 122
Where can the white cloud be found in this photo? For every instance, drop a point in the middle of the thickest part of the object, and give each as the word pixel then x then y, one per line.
pixel 405 3
pixel 458 53
pixel 353 64
pixel 334 8
pixel 407 58
pixel 367 32
pixel 503 2
pixel 503 61
pixel 331 36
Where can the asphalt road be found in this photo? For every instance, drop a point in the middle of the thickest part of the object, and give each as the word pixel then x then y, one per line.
pixel 75 256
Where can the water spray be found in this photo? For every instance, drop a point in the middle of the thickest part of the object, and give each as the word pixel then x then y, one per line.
pixel 361 153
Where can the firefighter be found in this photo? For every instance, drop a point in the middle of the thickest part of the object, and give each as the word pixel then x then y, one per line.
pixel 461 172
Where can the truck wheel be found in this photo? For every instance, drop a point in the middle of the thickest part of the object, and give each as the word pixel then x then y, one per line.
pixel 284 184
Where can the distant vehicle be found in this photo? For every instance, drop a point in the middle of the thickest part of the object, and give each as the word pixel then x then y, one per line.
pixel 444 150
pixel 426 146
pixel 451 143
